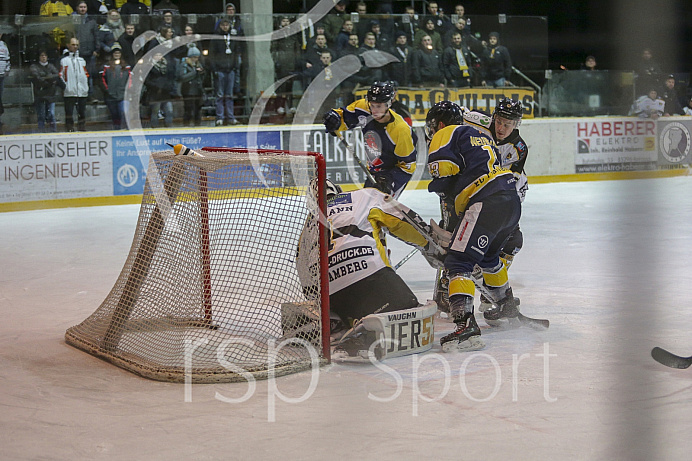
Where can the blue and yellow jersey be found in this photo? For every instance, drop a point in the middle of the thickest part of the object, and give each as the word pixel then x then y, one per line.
pixel 464 164
pixel 390 146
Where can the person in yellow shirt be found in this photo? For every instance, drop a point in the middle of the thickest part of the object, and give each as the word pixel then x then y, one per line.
pixel 55 8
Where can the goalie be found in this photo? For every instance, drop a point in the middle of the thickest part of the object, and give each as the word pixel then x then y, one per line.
pixel 361 279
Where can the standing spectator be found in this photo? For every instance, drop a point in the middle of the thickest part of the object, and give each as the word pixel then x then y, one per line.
pixel 162 38
pixel 168 21
pixel 166 5
pixel 226 62
pixel 429 30
pixel 589 63
pixel 455 63
pixel 312 57
pixel 286 54
pixel 133 7
pixel 191 77
pixel 159 86
pixel 408 24
pixel 55 8
pixel 459 26
pixel 460 11
pixel 188 31
pixel 74 74
pixel 86 32
pixel 44 76
pixel 363 26
pixel 402 71
pixel 648 73
pixel 369 74
pixel 126 40
pixel 111 31
pixel 496 62
pixel 442 23
pixel 99 7
pixel 670 96
pixel 427 72
pixel 115 78
pixel 4 70
pixel 334 21
pixel 348 85
pixel 382 41
pixel 342 38
pixel 236 27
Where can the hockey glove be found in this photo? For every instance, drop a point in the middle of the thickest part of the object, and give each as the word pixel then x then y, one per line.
pixel 332 122
pixel 434 258
pixel 384 184
pixel 439 235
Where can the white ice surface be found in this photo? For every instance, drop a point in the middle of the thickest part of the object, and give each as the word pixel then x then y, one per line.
pixel 609 263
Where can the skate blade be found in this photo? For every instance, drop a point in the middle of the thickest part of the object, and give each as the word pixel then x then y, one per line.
pixel 504 323
pixel 474 343
pixel 484 307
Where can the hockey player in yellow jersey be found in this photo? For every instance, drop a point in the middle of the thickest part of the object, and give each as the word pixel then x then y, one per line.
pixel 466 172
pixel 390 142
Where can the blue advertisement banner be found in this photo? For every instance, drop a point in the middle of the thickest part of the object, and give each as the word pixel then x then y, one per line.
pixel 131 153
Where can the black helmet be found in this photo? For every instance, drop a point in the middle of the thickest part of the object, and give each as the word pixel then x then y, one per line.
pixel 446 112
pixel 509 109
pixel 381 92
pixel 332 189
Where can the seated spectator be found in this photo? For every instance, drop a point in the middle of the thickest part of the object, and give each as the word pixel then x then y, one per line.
pixel 648 106
pixel 191 77
pixel 671 98
pixel 115 78
pixel 4 71
pixel 44 77
pixel 159 86
pixel 126 40
pixel 55 8
pixel 133 7
pixel 402 71
pixel 496 62
pixel 427 71
pixel 429 30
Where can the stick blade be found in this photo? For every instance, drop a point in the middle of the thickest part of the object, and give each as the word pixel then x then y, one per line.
pixel 671 360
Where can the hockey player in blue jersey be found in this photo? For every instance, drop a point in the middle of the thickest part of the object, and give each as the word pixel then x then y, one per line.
pixel 466 171
pixel 390 142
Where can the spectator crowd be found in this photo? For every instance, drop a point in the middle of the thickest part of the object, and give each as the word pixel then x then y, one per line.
pixel 91 60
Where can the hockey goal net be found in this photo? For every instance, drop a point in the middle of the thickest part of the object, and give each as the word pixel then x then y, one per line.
pixel 213 290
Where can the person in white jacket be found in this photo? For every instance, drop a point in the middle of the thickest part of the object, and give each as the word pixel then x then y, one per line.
pixel 74 75
pixel 4 70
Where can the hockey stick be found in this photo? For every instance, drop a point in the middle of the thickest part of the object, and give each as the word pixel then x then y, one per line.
pixel 405 258
pixel 528 321
pixel 356 324
pixel 669 359
pixel 351 150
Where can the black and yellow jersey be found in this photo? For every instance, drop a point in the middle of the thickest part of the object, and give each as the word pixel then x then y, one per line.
pixel 391 146
pixel 464 164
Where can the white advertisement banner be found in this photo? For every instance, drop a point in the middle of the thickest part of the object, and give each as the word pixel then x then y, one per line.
pixel 615 145
pixel 42 168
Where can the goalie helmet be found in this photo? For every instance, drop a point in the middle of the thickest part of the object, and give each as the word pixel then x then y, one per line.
pixel 332 189
pixel 509 108
pixel 446 112
pixel 381 92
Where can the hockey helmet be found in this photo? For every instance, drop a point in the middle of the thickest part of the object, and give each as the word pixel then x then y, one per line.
pixel 332 189
pixel 381 92
pixel 509 108
pixel 446 112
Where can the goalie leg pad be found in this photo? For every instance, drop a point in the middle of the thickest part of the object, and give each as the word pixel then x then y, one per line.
pixel 404 332
pixel 301 320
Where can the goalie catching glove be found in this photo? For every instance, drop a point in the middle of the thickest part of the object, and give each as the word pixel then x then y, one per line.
pixel 332 122
pixel 432 253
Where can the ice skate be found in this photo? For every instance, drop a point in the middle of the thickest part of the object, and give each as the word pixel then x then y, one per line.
pixel 505 313
pixel 467 336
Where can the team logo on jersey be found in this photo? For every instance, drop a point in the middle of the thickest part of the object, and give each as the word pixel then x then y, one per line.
pixel 521 146
pixel 482 241
pixel 674 141
pixel 372 146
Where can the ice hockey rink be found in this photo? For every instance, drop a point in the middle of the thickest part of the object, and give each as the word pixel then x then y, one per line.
pixel 608 262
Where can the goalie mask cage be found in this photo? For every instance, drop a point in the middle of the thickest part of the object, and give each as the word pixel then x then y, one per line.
pixel 214 288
